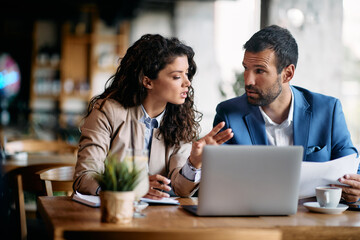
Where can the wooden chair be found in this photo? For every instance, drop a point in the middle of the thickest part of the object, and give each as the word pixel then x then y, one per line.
pixel 57 179
pixel 25 178
pixel 35 145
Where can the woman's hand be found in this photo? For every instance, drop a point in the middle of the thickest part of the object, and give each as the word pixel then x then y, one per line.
pixel 158 184
pixel 212 138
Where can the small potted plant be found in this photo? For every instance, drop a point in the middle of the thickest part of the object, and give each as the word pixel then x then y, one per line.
pixel 117 195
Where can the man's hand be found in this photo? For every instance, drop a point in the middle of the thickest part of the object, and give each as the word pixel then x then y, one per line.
pixel 212 138
pixel 157 184
pixel 350 193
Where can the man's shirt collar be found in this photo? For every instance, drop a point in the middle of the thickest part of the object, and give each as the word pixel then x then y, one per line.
pixel 287 122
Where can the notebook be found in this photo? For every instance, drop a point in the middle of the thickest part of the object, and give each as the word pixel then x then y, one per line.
pixel 238 180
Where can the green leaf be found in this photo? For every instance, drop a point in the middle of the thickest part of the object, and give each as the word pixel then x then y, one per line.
pixel 117 175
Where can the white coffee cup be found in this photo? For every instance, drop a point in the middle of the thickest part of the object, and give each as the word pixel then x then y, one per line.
pixel 328 197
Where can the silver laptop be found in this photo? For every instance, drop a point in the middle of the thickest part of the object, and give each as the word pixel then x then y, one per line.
pixel 238 180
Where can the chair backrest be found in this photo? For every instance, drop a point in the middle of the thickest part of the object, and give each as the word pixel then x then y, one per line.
pixel 57 179
pixel 35 145
pixel 25 179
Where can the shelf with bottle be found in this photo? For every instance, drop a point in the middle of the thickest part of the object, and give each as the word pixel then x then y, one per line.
pixel 76 89
pixel 106 57
pixel 46 82
pixel 48 57
pixel 45 85
pixel 109 44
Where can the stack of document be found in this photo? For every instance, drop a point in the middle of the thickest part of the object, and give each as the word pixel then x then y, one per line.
pixel 314 174
pixel 94 201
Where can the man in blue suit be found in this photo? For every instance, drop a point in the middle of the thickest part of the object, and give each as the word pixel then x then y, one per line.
pixel 272 112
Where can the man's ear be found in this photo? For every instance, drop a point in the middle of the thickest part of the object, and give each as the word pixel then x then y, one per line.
pixel 288 73
pixel 147 83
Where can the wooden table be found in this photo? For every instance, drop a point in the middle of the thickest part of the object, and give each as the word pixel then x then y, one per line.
pixel 64 217
pixel 8 165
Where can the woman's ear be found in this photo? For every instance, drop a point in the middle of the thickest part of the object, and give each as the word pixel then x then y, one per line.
pixel 147 83
pixel 288 73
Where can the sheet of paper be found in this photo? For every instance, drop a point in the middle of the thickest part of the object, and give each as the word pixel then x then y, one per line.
pixel 315 174
pixel 170 201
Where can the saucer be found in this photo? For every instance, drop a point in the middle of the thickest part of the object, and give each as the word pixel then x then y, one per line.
pixel 315 207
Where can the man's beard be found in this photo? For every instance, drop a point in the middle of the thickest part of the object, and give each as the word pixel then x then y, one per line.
pixel 265 98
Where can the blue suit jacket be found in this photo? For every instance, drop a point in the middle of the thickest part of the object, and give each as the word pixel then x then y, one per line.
pixel 318 123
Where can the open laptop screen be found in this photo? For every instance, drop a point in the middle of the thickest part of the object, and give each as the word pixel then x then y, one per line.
pixel 239 180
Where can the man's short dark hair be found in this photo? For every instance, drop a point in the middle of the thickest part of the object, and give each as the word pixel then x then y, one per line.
pixel 278 39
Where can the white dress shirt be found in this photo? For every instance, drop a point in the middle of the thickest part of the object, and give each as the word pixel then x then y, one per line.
pixel 150 124
pixel 280 134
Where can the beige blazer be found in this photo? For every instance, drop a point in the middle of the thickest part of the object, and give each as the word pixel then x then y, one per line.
pixel 108 129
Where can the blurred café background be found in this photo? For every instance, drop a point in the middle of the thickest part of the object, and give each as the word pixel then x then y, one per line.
pixel 56 55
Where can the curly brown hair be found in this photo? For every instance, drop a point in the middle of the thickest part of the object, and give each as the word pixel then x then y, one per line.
pixel 146 57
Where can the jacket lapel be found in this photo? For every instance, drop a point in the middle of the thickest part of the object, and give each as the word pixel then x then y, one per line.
pixel 137 129
pixel 157 149
pixel 302 118
pixel 256 127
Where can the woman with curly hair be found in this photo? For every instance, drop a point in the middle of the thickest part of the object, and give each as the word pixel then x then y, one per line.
pixel 148 104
